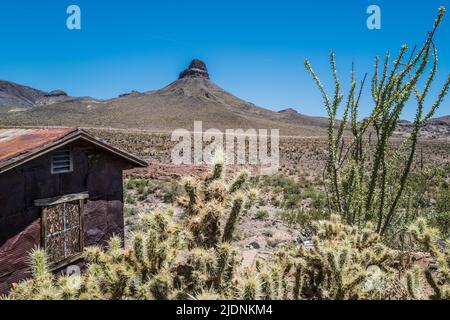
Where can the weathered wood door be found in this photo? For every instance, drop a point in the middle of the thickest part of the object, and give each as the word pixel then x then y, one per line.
pixel 62 227
pixel 62 230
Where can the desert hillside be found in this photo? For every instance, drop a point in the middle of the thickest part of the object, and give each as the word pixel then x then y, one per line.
pixel 192 97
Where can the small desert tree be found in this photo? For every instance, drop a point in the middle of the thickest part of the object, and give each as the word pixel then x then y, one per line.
pixel 365 178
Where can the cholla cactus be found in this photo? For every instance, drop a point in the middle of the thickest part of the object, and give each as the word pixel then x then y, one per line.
pixel 193 258
pixel 426 238
pixel 208 199
pixel 239 183
pixel 208 295
pixel 233 218
pixel 41 286
pixel 266 286
pixel 192 202
pixel 339 265
pixel 250 290
pixel 335 267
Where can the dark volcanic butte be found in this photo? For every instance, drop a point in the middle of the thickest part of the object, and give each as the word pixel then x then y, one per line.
pixel 196 69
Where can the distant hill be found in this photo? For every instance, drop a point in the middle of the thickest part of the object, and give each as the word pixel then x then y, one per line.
pixel 192 97
pixel 16 96
pixel 437 128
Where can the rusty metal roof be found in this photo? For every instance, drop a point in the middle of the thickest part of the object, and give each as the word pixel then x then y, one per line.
pixel 14 142
pixel 18 146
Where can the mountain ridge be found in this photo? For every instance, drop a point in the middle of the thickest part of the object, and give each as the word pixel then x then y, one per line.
pixel 192 97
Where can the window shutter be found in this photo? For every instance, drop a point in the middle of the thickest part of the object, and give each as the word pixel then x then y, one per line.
pixel 62 160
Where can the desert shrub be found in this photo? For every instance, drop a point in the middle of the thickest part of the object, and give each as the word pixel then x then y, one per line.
pixel 294 217
pixel 141 187
pixel 261 201
pixel 292 192
pixel 441 221
pixel 261 214
pixel 427 195
pixel 275 201
pixel 130 211
pixel 318 198
pixel 292 201
pixel 130 199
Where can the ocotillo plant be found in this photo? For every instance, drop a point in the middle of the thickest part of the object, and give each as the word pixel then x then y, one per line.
pixel 366 182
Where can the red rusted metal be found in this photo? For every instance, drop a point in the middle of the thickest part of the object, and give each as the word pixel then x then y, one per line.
pixel 14 255
pixel 14 142
pixel 18 146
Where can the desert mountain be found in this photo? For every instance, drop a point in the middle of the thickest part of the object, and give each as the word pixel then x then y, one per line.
pixel 192 97
pixel 13 95
pixel 437 128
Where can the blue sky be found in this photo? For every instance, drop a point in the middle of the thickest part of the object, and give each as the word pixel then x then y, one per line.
pixel 254 49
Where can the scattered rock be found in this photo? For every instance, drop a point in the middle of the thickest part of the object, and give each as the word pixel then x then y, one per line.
pixel 56 93
pixel 254 245
pixel 288 111
pixel 249 257
pixel 133 92
pixel 273 243
pixel 433 266
pixel 437 128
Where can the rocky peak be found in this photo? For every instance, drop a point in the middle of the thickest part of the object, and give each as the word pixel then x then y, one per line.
pixel 288 111
pixel 56 93
pixel 197 69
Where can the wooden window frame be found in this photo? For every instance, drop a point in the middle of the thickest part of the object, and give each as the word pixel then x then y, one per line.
pixel 52 170
pixel 81 197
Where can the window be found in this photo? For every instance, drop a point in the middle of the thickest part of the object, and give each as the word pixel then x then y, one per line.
pixel 62 160
pixel 62 227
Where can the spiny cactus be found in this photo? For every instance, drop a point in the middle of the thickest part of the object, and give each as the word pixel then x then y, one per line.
pixel 343 263
pixel 250 289
pixel 266 286
pixel 208 199
pixel 239 182
pixel 192 202
pixel 233 217
pixel 426 238
pixel 169 258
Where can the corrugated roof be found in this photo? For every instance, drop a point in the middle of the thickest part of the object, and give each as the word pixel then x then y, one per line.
pixel 18 146
pixel 15 142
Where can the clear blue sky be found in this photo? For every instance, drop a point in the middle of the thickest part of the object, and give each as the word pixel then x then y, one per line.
pixel 254 49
